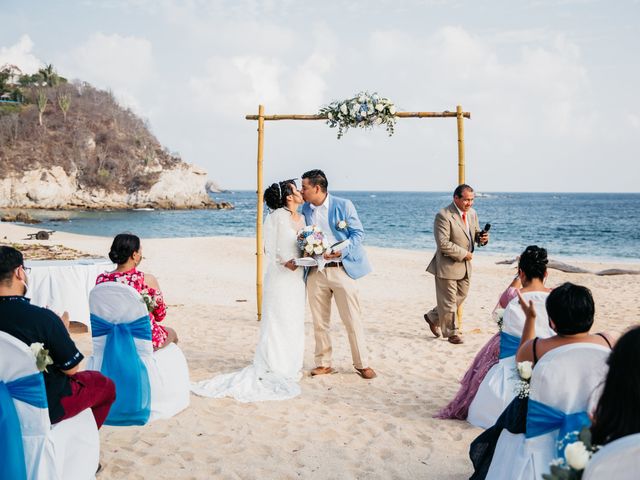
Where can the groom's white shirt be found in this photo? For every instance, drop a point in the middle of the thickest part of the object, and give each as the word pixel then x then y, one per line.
pixel 321 219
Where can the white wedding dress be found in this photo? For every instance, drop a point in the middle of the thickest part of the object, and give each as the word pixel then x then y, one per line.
pixel 277 362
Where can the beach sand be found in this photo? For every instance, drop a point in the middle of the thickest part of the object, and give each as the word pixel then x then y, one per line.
pixel 341 427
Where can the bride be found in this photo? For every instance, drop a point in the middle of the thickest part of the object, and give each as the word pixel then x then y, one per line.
pixel 277 362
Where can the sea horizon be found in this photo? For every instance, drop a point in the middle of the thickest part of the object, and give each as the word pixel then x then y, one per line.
pixel 598 227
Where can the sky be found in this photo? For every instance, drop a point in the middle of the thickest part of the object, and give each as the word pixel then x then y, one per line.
pixel 552 85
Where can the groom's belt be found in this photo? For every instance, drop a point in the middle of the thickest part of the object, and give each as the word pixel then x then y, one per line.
pixel 333 264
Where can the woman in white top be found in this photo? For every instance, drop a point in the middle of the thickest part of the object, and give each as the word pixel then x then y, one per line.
pixel 498 388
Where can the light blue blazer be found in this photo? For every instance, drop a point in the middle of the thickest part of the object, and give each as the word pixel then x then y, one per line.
pixel 354 258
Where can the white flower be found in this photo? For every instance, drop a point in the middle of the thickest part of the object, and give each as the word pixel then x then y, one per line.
pixel 308 248
pixel 36 347
pixel 577 455
pixel 379 106
pixel 344 109
pixel 524 369
pixel 342 225
pixel 318 250
pixel 392 109
pixel 330 116
pixel 378 120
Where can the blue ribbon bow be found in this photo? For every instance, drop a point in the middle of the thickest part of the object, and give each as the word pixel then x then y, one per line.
pixel 29 389
pixel 122 364
pixel 543 419
pixel 508 345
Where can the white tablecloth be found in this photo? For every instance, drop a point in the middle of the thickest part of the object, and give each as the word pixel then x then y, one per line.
pixel 65 284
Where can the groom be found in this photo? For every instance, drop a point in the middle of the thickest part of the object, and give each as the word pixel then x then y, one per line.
pixel 338 220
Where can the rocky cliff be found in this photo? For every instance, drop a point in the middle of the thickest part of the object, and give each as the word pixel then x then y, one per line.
pixel 91 154
pixel 179 187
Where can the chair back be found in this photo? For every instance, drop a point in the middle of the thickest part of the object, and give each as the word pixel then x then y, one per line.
pixel 567 377
pixel 23 411
pixel 619 460
pixel 121 333
pixel 513 319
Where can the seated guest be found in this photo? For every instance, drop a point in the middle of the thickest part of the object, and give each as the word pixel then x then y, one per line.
pixel 532 272
pixel 126 252
pixel 69 391
pixel 571 310
pixel 616 414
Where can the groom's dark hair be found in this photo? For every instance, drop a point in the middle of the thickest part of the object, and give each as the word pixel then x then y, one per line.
pixel 317 178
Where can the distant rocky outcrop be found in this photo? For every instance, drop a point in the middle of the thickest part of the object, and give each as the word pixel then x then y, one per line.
pixel 91 154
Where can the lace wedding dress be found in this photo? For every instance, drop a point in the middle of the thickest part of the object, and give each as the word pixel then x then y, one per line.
pixel 277 362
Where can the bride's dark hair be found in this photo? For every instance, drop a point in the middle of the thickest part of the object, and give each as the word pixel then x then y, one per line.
pixel 276 195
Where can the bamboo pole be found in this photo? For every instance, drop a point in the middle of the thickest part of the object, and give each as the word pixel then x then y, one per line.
pixel 259 210
pixel 460 122
pixel 398 114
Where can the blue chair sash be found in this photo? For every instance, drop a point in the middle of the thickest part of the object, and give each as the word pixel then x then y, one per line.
pixel 122 364
pixel 29 389
pixel 543 419
pixel 508 345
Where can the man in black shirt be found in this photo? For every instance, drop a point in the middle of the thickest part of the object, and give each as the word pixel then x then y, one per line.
pixel 68 391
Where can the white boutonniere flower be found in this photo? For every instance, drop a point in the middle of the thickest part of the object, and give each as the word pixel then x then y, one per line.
pixel 42 356
pixel 341 225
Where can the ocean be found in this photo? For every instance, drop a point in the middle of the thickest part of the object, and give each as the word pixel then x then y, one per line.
pixel 591 226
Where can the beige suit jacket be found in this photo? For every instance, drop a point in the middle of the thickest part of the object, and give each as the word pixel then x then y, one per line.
pixel 452 243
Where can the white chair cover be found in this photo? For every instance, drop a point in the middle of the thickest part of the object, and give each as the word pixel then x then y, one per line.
pixel 566 378
pixel 498 388
pixel 69 450
pixel 167 367
pixel 619 460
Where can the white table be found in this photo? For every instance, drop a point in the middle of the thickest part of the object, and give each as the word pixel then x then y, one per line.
pixel 65 284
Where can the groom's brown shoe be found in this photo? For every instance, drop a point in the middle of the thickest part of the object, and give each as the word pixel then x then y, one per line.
pixel 455 339
pixel 366 373
pixel 321 371
pixel 432 326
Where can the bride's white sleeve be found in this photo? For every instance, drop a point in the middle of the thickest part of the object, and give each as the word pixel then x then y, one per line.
pixel 270 230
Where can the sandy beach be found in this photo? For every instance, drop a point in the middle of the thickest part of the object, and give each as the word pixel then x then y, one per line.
pixel 341 427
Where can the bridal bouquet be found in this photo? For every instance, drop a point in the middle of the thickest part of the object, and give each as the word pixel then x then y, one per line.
pixel 364 110
pixel 312 241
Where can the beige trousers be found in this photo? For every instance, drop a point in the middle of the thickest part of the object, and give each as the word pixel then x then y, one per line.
pixel 321 286
pixel 449 294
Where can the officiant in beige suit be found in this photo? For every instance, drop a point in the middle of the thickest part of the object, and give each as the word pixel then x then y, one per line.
pixel 456 231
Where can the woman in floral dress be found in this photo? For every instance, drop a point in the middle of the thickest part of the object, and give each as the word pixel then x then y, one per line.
pixel 126 252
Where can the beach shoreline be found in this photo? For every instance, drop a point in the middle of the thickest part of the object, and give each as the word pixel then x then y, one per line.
pixel 341 426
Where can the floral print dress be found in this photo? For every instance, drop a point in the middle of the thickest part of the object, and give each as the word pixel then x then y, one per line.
pixel 135 279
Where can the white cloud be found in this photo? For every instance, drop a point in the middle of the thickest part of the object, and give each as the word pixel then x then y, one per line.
pixel 20 55
pixel 123 64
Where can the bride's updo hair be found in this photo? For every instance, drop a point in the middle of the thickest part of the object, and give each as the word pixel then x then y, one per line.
pixel 276 195
pixel 533 262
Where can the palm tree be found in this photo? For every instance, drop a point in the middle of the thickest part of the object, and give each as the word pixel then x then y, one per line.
pixel 41 100
pixel 49 75
pixel 64 102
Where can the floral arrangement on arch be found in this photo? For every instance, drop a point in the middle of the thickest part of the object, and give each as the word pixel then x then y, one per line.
pixel 364 111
